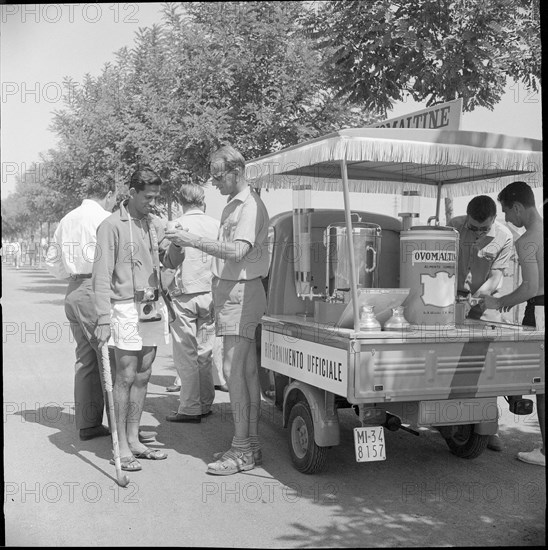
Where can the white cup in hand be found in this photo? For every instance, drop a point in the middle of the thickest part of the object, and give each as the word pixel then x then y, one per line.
pixel 172 225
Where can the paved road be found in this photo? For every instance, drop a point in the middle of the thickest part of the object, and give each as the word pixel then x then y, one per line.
pixel 62 492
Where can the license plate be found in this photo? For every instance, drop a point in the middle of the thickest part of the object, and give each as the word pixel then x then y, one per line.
pixel 369 443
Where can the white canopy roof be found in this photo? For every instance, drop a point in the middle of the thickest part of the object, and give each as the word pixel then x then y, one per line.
pixel 393 160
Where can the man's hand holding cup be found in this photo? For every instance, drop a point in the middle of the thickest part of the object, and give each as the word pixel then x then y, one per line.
pixel 178 235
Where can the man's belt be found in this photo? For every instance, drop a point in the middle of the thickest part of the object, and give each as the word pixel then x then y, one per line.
pixel 236 280
pixel 76 276
pixel 536 301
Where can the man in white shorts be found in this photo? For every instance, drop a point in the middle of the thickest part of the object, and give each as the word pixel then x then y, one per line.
pixel 518 204
pixel 130 308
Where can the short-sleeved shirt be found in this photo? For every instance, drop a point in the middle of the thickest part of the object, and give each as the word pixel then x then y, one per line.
pixel 479 255
pixel 74 246
pixel 244 218
pixel 194 274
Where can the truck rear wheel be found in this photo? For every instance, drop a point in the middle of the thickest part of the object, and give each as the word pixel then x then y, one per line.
pixel 307 457
pixel 463 441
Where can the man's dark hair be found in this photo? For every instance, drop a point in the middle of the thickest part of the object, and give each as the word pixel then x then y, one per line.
pixel 96 187
pixel 142 177
pixel 481 207
pixel 518 191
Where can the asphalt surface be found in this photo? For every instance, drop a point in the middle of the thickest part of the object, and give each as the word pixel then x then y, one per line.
pixel 59 491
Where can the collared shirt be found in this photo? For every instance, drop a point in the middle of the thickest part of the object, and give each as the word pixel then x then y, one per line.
pixel 244 218
pixel 194 274
pixel 480 254
pixel 73 249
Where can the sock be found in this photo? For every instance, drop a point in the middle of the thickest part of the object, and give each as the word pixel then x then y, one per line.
pixel 254 443
pixel 241 444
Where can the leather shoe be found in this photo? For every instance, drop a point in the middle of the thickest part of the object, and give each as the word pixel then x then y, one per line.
pixel 494 443
pixel 179 417
pixel 91 433
pixel 173 388
pixel 222 387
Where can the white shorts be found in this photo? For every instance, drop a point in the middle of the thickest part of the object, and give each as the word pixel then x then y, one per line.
pixel 128 333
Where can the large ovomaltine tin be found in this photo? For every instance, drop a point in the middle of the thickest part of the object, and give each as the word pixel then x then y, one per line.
pixel 428 266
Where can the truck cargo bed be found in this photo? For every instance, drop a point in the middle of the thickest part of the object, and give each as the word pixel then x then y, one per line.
pixel 469 361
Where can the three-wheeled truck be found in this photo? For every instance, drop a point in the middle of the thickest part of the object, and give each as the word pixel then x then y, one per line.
pixel 337 276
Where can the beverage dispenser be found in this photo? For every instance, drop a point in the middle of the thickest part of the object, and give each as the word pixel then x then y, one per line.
pixel 302 229
pixel 367 247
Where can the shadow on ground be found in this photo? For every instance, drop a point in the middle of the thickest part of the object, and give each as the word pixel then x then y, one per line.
pixel 66 438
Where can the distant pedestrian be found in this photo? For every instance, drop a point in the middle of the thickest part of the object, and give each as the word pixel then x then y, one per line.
pixel 17 252
pixel 43 249
pixel 33 251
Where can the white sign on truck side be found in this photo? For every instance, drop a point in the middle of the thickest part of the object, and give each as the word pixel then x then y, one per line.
pixel 321 366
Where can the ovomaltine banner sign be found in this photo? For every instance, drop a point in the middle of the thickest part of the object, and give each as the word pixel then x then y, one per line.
pixel 445 116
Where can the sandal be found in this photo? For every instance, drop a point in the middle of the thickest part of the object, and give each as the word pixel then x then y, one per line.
pixel 257 456
pixel 231 462
pixel 128 463
pixel 151 454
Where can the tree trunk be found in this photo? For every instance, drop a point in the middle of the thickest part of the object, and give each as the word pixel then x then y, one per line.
pixel 39 253
pixel 169 203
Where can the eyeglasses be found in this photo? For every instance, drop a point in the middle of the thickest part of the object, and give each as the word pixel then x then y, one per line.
pixel 481 228
pixel 218 177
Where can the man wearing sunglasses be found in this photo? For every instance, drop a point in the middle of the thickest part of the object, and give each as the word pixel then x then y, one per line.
pixel 485 247
pixel 239 265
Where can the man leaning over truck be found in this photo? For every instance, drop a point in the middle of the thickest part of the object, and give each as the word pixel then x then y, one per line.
pixel 485 247
pixel 518 204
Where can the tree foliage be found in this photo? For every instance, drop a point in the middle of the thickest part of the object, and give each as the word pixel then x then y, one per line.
pixel 268 80
pixel 267 75
pixel 16 217
pixel 379 51
pixel 238 72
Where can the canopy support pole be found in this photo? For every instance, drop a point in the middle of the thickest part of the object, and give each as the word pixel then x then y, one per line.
pixel 438 204
pixel 350 244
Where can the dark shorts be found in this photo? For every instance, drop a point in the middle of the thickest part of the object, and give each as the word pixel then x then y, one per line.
pixel 529 315
pixel 239 306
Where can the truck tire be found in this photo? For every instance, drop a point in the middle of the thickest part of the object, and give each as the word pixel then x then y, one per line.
pixel 307 457
pixel 463 442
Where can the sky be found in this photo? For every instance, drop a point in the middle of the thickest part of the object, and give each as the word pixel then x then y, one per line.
pixel 40 44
